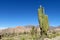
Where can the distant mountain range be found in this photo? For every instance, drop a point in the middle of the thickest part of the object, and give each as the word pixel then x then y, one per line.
pixel 21 29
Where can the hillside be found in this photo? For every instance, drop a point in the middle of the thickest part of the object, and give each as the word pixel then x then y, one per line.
pixel 18 33
pixel 21 29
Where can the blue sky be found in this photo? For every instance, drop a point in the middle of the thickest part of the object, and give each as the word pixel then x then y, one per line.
pixel 24 12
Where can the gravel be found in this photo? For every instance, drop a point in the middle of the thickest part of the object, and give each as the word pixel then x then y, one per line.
pixel 56 38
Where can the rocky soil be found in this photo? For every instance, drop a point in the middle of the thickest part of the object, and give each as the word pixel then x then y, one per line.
pixel 56 38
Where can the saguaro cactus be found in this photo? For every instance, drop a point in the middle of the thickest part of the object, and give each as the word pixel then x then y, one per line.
pixel 43 21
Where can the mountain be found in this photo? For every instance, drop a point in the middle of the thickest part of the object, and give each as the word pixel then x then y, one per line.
pixel 21 29
pixel 18 29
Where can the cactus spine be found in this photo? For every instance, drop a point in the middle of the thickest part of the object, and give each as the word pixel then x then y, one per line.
pixel 43 21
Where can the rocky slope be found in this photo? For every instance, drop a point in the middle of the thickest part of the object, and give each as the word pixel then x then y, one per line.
pixel 21 29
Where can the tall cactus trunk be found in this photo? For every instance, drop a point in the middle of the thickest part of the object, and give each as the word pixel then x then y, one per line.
pixel 43 22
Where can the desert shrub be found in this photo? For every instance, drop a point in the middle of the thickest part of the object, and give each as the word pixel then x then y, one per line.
pixel 25 33
pixel 51 36
pixel 57 34
pixel 22 38
pixel 53 32
pixel 20 33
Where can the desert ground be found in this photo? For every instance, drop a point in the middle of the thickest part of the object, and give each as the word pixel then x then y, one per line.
pixel 23 33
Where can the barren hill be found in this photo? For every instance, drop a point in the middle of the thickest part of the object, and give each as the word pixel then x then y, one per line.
pixel 18 29
pixel 21 29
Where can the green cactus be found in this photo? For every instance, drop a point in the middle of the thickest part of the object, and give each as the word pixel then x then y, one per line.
pixel 32 30
pixel 43 21
pixel 34 33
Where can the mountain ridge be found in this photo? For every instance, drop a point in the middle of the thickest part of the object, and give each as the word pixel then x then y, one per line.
pixel 21 29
